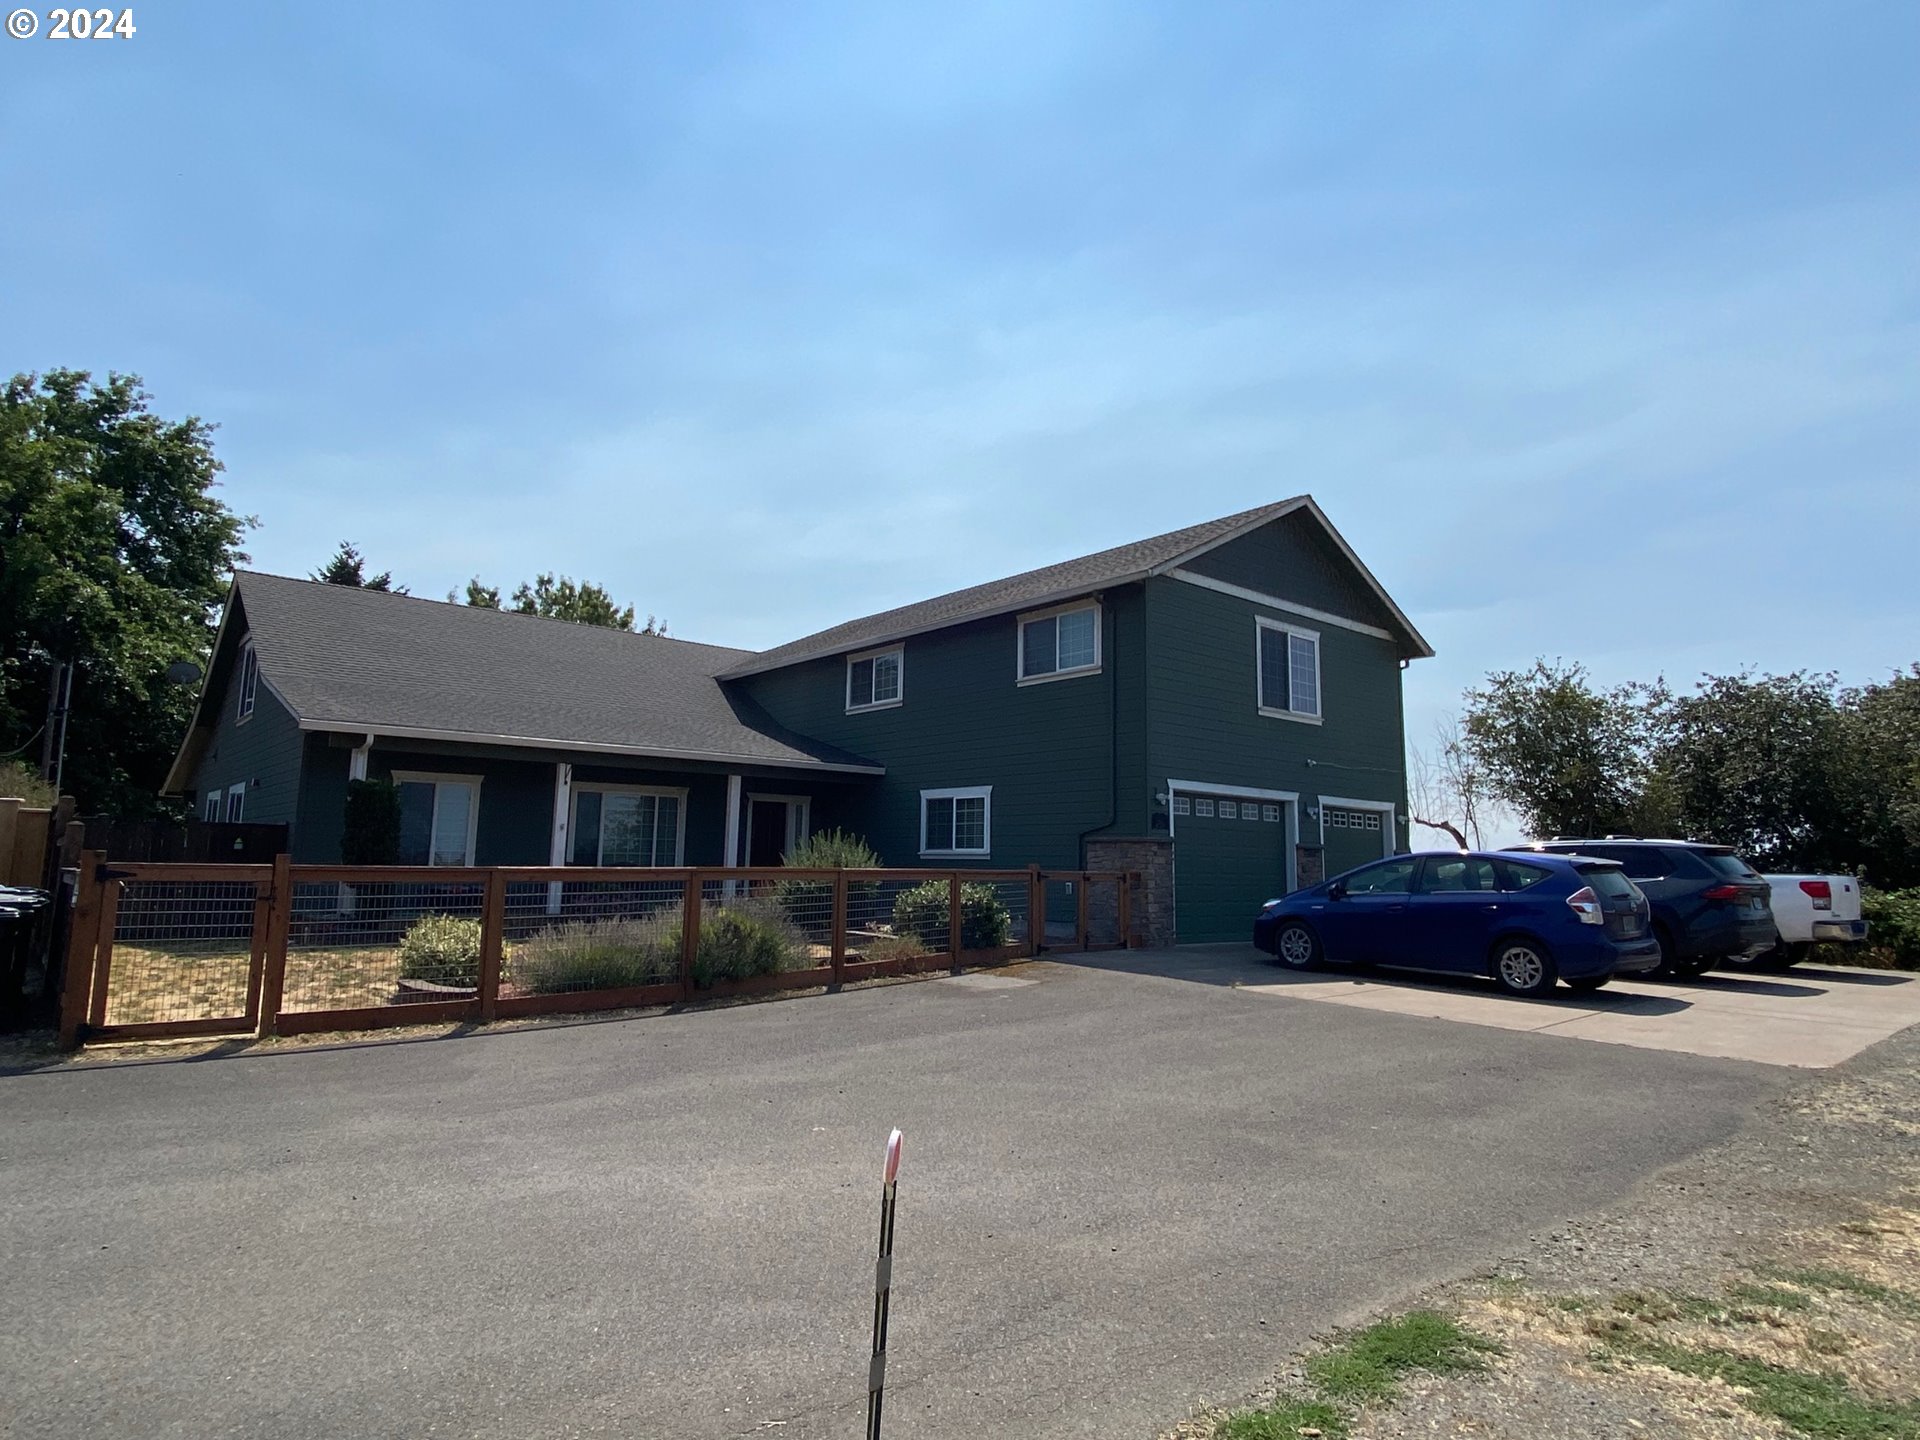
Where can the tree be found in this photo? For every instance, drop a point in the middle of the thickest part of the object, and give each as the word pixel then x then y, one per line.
pixel 115 555
pixel 1445 787
pixel 1880 726
pixel 1570 759
pixel 348 567
pixel 583 603
pixel 483 597
pixel 1758 763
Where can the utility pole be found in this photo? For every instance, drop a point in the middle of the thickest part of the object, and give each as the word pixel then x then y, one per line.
pixel 53 740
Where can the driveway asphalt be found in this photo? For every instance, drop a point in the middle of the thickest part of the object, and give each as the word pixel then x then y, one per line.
pixel 1123 1193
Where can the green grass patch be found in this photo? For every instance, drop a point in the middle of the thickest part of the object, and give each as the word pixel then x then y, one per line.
pixel 1773 1296
pixel 1845 1282
pixel 1283 1420
pixel 1819 1405
pixel 1363 1366
pixel 1367 1363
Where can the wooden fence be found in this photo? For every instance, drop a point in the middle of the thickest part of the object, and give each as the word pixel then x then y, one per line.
pixel 168 950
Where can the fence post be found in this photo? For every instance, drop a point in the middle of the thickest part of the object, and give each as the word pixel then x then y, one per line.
pixel 838 938
pixel 273 978
pixel 493 943
pixel 953 921
pixel 103 951
pixel 1036 910
pixel 83 938
pixel 1080 934
pixel 689 933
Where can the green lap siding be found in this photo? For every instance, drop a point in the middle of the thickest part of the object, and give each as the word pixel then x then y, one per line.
pixel 262 752
pixel 1047 750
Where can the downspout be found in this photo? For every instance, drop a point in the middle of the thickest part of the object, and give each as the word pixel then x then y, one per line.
pixel 1110 653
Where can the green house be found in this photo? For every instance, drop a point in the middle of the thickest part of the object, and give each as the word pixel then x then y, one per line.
pixel 1219 707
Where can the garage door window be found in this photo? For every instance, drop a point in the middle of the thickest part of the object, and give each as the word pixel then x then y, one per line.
pixel 1353 819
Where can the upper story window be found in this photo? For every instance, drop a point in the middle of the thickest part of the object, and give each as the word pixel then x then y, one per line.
pixel 1289 670
pixel 1057 643
pixel 873 679
pixel 249 680
pixel 956 822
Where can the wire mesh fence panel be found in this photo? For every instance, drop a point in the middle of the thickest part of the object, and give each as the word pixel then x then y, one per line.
pixel 182 950
pixel 762 925
pixel 571 937
pixel 892 919
pixel 1062 915
pixel 352 945
pixel 993 919
pixel 1103 910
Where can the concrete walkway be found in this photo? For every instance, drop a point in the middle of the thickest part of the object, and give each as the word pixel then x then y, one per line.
pixel 1810 1016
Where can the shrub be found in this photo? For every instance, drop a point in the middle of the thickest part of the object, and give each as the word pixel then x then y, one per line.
pixel 810 902
pixel 1893 921
pixel 19 778
pixel 599 954
pixel 922 913
pixel 745 938
pixel 371 832
pixel 894 947
pixel 442 948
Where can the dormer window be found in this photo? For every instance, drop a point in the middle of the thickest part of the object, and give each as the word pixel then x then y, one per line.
pixel 874 679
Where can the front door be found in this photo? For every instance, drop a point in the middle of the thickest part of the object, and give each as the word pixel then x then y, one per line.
pixel 775 825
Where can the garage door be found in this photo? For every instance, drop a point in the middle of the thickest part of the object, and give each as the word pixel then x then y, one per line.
pixel 1353 837
pixel 1229 854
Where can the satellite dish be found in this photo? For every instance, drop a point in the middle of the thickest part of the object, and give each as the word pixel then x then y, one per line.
pixel 183 672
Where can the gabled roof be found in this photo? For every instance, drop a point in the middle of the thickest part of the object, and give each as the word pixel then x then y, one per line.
pixel 363 661
pixel 1124 564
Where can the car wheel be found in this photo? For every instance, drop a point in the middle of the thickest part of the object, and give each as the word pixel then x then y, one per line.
pixel 1672 966
pixel 1783 956
pixel 1523 967
pixel 1589 982
pixel 1296 946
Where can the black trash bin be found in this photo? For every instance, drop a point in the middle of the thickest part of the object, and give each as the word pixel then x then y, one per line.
pixel 20 911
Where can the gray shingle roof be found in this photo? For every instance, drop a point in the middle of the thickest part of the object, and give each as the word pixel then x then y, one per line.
pixel 350 659
pixel 1117 566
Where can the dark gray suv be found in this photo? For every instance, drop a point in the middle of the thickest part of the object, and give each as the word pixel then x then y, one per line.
pixel 1709 906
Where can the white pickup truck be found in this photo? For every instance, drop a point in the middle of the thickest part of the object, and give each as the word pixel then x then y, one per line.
pixel 1813 910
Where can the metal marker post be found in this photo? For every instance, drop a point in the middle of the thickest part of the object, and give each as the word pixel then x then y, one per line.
pixel 882 1291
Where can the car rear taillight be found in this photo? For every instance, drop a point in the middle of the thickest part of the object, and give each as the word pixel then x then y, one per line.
pixel 1584 903
pixel 1821 893
pixel 1721 892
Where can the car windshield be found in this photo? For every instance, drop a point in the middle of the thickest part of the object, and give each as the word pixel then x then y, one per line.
pixel 1607 879
pixel 1731 866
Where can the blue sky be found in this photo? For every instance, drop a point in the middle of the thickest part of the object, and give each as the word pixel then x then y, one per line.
pixel 1596 328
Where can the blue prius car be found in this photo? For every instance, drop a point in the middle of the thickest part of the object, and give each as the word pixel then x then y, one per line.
pixel 1526 921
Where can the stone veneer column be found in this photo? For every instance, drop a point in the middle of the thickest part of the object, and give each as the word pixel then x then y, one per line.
pixel 1152 901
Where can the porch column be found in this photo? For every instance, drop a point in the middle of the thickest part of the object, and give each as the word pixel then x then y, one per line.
pixel 732 857
pixel 557 849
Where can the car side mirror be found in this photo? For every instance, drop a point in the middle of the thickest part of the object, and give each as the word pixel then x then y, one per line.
pixel 1337 890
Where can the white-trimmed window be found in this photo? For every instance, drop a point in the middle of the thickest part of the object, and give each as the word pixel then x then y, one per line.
pixel 1288 664
pixel 1203 808
pixel 874 679
pixel 1057 643
pixel 1229 810
pixel 210 808
pixel 249 681
pixel 956 822
pixel 1182 805
pixel 236 803
pixel 628 825
pixel 439 817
